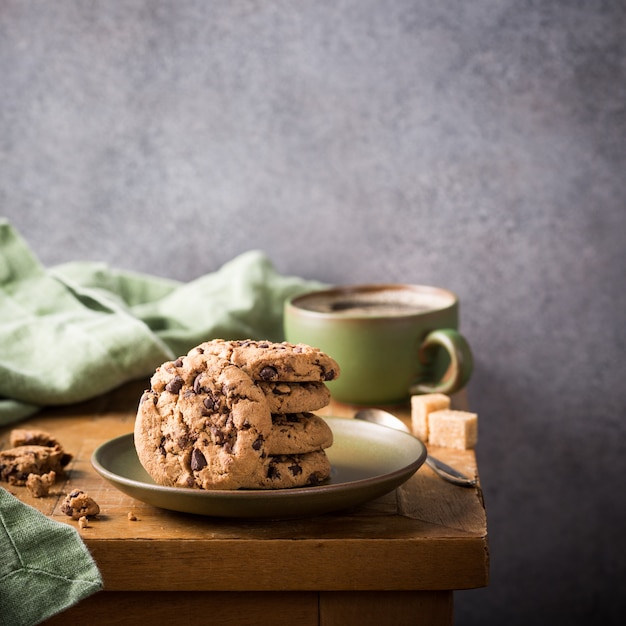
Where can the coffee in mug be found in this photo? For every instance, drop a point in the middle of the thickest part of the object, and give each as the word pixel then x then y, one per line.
pixel 390 341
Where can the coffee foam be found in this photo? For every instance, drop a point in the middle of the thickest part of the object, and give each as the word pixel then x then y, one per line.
pixel 374 303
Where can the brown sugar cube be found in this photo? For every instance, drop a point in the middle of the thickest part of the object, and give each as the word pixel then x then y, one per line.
pixel 453 429
pixel 421 407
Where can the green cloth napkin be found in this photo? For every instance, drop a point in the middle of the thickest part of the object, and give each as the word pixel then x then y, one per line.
pixel 44 565
pixel 78 330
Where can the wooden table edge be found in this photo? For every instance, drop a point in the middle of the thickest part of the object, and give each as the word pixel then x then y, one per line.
pixel 334 564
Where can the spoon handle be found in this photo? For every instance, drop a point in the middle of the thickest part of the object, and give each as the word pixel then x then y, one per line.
pixel 449 473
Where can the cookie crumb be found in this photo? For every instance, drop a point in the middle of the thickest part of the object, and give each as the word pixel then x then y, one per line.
pixel 17 463
pixel 39 485
pixel 83 522
pixel 132 517
pixel 78 504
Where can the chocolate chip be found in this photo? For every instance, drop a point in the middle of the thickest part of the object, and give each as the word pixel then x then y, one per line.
pixel 218 436
pixel 295 469
pixel 196 383
pixel 178 362
pixel 258 443
pixel 198 387
pixel 211 402
pixel 198 461
pixel 175 385
pixel 268 373
pixel 272 472
pixel 314 479
pixel 329 375
pixel 183 441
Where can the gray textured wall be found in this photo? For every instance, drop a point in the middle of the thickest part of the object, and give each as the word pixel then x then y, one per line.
pixel 475 145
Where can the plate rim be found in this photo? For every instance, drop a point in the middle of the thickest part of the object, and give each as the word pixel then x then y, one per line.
pixel 314 492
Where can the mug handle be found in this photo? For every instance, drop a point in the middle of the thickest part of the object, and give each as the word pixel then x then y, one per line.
pixel 461 361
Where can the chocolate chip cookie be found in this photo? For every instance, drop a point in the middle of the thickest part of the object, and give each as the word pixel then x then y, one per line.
pixel 268 361
pixel 295 397
pixel 297 433
pixel 202 425
pixel 294 470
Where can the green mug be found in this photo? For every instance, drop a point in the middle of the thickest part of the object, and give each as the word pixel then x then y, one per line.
pixel 390 340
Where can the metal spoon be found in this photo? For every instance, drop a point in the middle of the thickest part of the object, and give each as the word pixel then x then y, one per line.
pixel 383 418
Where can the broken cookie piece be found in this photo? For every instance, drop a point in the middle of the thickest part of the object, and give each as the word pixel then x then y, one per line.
pixel 78 504
pixel 32 437
pixel 39 485
pixel 17 463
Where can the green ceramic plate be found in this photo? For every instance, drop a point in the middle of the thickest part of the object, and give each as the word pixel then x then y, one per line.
pixel 367 461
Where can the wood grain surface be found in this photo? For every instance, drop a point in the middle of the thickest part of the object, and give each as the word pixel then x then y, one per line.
pixel 427 535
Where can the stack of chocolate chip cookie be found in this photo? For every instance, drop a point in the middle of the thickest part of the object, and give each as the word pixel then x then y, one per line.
pixel 237 415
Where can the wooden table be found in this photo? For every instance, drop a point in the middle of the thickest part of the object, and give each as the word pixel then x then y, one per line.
pixel 396 560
